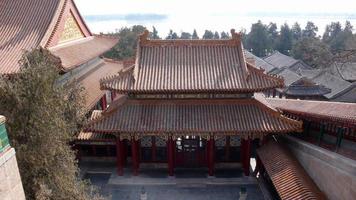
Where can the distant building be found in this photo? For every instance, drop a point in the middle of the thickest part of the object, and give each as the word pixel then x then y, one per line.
pixel 280 60
pixel 57 26
pixel 10 180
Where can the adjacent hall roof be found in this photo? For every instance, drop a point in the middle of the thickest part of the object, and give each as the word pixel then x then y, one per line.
pixel 90 81
pixel 189 66
pixel 336 111
pixel 259 62
pixel 246 117
pixel 347 70
pixel 288 176
pixel 280 60
pixel 29 24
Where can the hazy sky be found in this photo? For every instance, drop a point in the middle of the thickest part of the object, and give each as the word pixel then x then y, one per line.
pixel 215 14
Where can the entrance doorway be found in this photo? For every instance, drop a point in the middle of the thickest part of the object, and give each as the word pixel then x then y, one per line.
pixel 190 152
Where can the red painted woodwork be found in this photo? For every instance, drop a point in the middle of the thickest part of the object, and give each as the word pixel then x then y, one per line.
pixel 154 149
pixel 135 156
pixel 120 156
pixel 170 153
pixel 211 151
pixel 103 102
pixel 246 155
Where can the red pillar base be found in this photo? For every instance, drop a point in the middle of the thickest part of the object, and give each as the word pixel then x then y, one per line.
pixel 119 157
pixel 246 155
pixel 170 153
pixel 211 161
pixel 135 159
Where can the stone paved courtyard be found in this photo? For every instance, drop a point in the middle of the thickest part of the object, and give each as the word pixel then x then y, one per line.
pixel 187 184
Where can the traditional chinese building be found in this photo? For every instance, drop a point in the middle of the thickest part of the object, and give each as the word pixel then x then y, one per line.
pixel 56 25
pixel 186 103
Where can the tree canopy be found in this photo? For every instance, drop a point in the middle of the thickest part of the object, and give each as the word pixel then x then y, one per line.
pixel 42 118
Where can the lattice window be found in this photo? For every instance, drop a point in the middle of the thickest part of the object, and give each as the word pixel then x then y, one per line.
pixel 221 142
pixel 160 142
pixel 235 141
pixel 146 141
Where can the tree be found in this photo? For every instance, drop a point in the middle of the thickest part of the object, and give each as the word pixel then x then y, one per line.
pixel 126 48
pixel 224 35
pixel 285 40
pixel 154 34
pixel 42 117
pixel 216 35
pixel 273 34
pixel 195 35
pixel 336 37
pixel 310 30
pixel 172 35
pixel 257 39
pixel 185 35
pixel 208 35
pixel 313 52
pixel 296 32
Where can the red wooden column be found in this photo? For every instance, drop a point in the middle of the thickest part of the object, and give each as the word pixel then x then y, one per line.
pixel 170 153
pixel 246 155
pixel 103 102
pixel 119 156
pixel 211 161
pixel 135 157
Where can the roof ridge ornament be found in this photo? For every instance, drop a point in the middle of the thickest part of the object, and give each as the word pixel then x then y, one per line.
pixel 144 36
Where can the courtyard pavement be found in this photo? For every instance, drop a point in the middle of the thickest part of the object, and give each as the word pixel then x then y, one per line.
pixel 186 184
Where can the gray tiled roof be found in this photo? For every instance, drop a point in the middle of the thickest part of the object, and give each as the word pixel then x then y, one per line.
pixel 336 84
pixel 347 71
pixel 259 62
pixel 280 60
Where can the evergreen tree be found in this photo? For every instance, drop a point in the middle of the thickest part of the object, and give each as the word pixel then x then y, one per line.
pixel 224 35
pixel 208 35
pixel 42 118
pixel 216 35
pixel 195 35
pixel 273 34
pixel 257 40
pixel 313 52
pixel 285 40
pixel 310 30
pixel 296 32
pixel 154 34
pixel 172 35
pixel 185 35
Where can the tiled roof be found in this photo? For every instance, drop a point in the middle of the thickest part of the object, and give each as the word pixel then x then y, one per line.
pixel 344 112
pixel 288 76
pixel 336 84
pixel 78 52
pixel 259 62
pixel 188 66
pixel 280 60
pixel 305 87
pixel 250 118
pixel 90 81
pixel 288 176
pixel 90 136
pixel 347 70
pixel 23 25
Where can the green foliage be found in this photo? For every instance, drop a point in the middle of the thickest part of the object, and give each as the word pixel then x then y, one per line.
pixel 154 33
pixel 273 34
pixel 208 35
pixel 216 35
pixel 257 40
pixel 313 52
pixel 224 35
pixel 126 48
pixel 285 40
pixel 336 37
pixel 195 35
pixel 296 32
pixel 310 30
pixel 172 35
pixel 42 118
pixel 185 35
